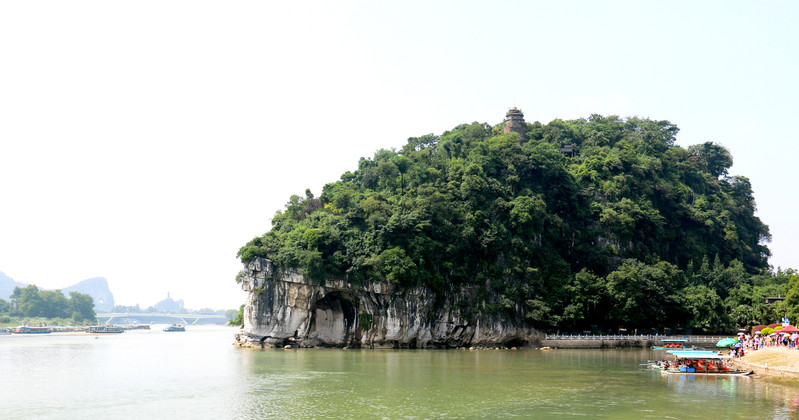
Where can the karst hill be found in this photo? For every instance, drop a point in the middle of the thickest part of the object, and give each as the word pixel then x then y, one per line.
pixel 593 223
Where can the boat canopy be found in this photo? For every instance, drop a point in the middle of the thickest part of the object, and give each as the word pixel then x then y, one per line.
pixel 698 355
pixel 674 340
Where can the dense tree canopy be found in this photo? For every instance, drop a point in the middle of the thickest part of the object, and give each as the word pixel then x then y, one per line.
pixel 30 302
pixel 618 233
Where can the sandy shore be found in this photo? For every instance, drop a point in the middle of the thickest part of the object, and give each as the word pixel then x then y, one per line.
pixel 771 362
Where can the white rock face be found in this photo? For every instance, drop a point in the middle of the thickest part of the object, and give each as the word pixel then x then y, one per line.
pixel 288 308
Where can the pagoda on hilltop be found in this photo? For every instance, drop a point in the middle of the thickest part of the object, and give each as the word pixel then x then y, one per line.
pixel 514 122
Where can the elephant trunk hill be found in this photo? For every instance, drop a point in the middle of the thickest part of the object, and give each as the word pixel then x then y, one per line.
pixel 484 235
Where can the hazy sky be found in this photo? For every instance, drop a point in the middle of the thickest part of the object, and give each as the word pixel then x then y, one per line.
pixel 147 141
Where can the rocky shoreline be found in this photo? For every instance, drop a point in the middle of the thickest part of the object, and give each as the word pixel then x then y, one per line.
pixel 287 309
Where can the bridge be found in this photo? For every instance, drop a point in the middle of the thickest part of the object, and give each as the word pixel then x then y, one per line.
pixel 581 341
pixel 156 318
pixel 654 338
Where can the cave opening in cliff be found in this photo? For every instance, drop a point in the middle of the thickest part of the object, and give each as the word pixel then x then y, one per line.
pixel 515 342
pixel 333 319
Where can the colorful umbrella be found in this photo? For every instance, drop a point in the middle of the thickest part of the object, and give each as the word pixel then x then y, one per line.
pixel 788 329
pixel 726 342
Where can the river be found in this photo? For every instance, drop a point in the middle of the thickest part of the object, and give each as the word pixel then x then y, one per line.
pixel 198 374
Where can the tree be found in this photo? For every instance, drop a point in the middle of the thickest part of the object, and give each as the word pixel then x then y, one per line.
pixel 713 158
pixel 27 302
pixel 81 307
pixel 5 306
pixel 586 293
pixel 746 303
pixel 238 319
pixel 706 310
pixel 55 304
pixel 394 266
pixel 792 298
pixel 30 302
pixel 231 313
pixel 646 296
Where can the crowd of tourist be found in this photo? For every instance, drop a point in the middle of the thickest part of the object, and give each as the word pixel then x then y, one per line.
pixel 747 342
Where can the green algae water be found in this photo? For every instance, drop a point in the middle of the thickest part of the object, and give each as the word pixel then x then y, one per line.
pixel 199 374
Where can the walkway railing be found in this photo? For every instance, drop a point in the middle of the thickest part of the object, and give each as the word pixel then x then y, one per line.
pixel 691 338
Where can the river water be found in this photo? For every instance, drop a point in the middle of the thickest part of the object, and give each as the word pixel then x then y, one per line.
pixel 198 374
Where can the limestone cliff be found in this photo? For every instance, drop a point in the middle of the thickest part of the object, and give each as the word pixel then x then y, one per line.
pixel 286 308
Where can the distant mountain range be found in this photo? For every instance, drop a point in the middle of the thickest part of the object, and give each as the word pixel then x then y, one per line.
pixel 96 287
pixel 7 285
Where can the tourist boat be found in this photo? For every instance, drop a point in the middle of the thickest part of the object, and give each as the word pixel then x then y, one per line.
pixel 702 362
pixel 175 328
pixel 24 329
pixel 671 343
pixel 67 329
pixel 661 364
pixel 104 329
pixel 137 327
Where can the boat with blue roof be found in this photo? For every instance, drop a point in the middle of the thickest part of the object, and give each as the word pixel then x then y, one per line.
pixel 24 329
pixel 699 362
pixel 175 328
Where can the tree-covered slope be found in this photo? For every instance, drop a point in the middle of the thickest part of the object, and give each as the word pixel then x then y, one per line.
pixel 611 234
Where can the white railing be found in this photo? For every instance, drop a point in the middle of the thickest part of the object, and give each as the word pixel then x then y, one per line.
pixel 690 338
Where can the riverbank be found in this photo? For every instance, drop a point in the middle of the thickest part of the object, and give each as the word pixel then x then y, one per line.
pixel 772 362
pixel 598 343
pixel 622 341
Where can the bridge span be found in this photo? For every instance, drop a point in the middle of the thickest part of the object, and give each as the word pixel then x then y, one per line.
pixel 155 318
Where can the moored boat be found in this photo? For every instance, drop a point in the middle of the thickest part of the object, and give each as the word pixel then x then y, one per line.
pixel 700 363
pixel 67 329
pixel 4 331
pixel 175 328
pixel 104 329
pixel 671 343
pixel 137 327
pixel 24 329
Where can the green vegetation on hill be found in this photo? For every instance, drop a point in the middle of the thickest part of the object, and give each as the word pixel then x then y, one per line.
pixel 629 230
pixel 30 302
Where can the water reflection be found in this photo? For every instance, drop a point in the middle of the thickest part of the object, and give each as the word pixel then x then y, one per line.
pixel 739 393
pixel 199 374
pixel 488 383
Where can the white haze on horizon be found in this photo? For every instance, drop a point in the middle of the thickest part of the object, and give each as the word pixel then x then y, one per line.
pixel 146 142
